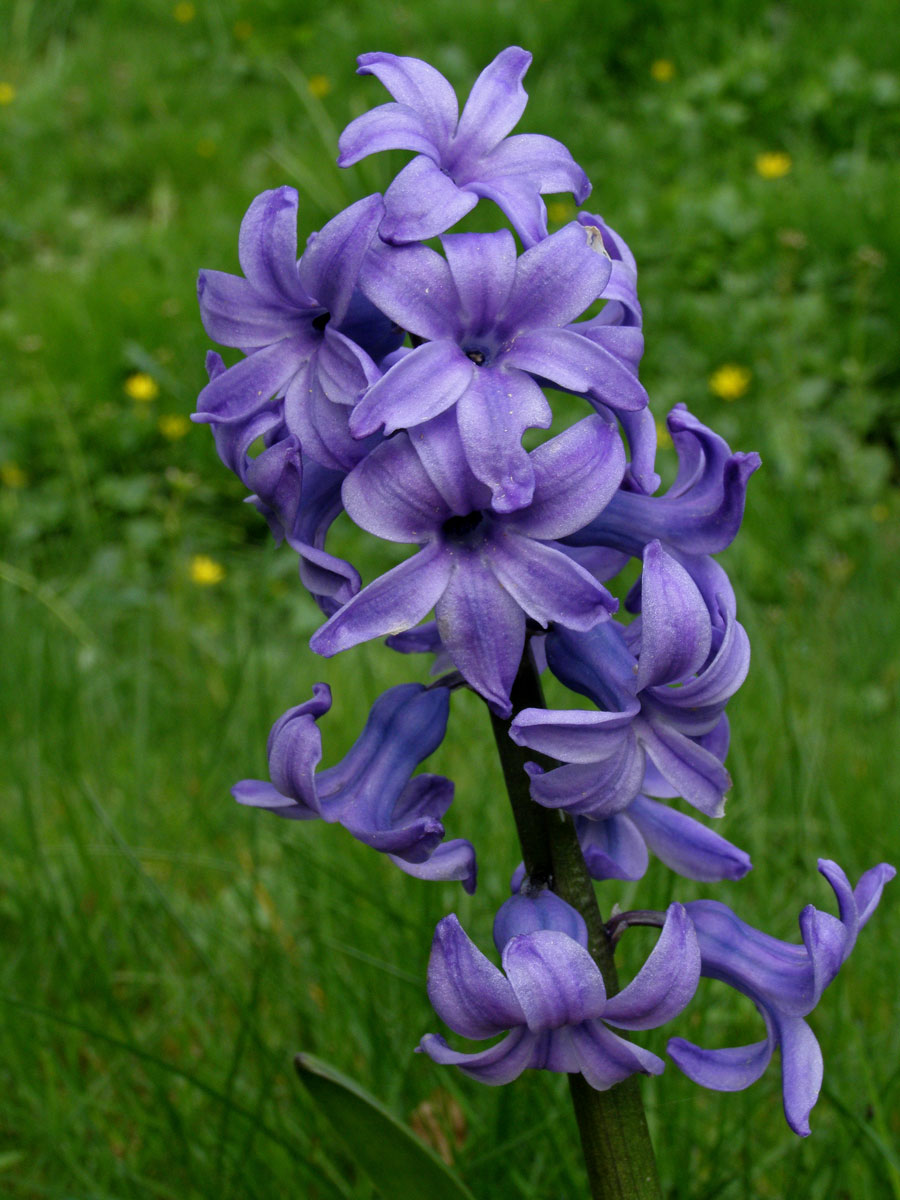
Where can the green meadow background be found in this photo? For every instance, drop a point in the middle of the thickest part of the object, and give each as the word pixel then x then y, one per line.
pixel 165 952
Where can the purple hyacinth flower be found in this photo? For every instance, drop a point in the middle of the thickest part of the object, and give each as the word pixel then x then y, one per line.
pixel 660 689
pixel 481 571
pixel 297 323
pixel 493 322
pixel 700 513
pixel 785 983
pixel 459 158
pixel 370 791
pixel 550 996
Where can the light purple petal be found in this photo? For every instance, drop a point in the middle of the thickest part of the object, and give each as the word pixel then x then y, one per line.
pixel 333 256
pixel 576 474
pixel 572 735
pixel 729 1070
pixel 868 891
pixel 598 789
pixel 498 1064
pixel 494 107
pixel 466 990
pixel 250 384
pixel 685 845
pixel 345 370
pixel 606 1059
pixel 483 266
pixel 801 1070
pixel 548 585
pixel 390 495
pixel 696 774
pixel 413 286
pixel 422 202
pixel 418 387
pixel 439 446
pixel 482 628
pixel 612 848
pixel 720 679
pixel 522 914
pixel 676 634
pixel 543 162
pixel 393 602
pixel 255 793
pixel 519 199
pixel 267 248
pixel 417 85
pixel 387 127
pixel 556 280
pixel 665 983
pixel 234 314
pixel 579 365
pixel 554 979
pixel 451 861
pixel 322 427
pixel 493 413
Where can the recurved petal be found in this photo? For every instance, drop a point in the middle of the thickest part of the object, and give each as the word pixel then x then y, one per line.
pixel 578 364
pixel 598 789
pixel 729 1070
pixel 548 585
pixel 696 774
pixel 387 127
pixel 572 735
pixel 256 793
pixel 330 264
pixel 868 891
pixel 676 633
pixel 494 107
pixel 665 983
pixel 267 248
pixel 234 313
pixel 605 1059
pixel 482 628
pixel 390 495
pixel 527 913
pixel 452 861
pixel 467 991
pixel 720 679
pixel 393 602
pixel 419 86
pixel 542 161
pixel 554 979
pixel 421 202
pixel 519 199
pixel 576 474
pixel 498 1064
pixel 612 848
pixel 801 1070
pixel 250 384
pixel 420 386
pixel 686 845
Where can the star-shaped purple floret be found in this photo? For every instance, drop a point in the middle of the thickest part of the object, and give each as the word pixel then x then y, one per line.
pixel 371 791
pixel 298 323
pixel 493 322
pixel 481 571
pixel 550 995
pixel 784 981
pixel 459 158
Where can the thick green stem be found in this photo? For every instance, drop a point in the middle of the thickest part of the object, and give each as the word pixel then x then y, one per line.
pixel 614 1135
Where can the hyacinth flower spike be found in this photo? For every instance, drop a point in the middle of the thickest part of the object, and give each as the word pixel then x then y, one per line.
pixel 481 571
pixel 371 791
pixel 550 996
pixel 459 158
pixel 493 322
pixel 785 982
pixel 300 324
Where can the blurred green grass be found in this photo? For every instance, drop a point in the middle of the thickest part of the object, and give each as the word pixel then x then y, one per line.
pixel 166 952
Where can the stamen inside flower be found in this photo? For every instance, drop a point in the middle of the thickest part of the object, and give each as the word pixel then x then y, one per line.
pixel 478 357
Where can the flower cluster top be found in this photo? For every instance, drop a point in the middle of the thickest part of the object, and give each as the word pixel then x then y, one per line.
pixel 395 382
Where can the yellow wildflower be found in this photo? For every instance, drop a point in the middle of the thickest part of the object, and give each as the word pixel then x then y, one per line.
pixel 7 93
pixel 243 30
pixel 173 426
pixel 663 437
pixel 729 382
pixel 319 85
pixel 205 571
pixel 184 12
pixel 774 164
pixel 12 475
pixel 141 386
pixel 663 70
